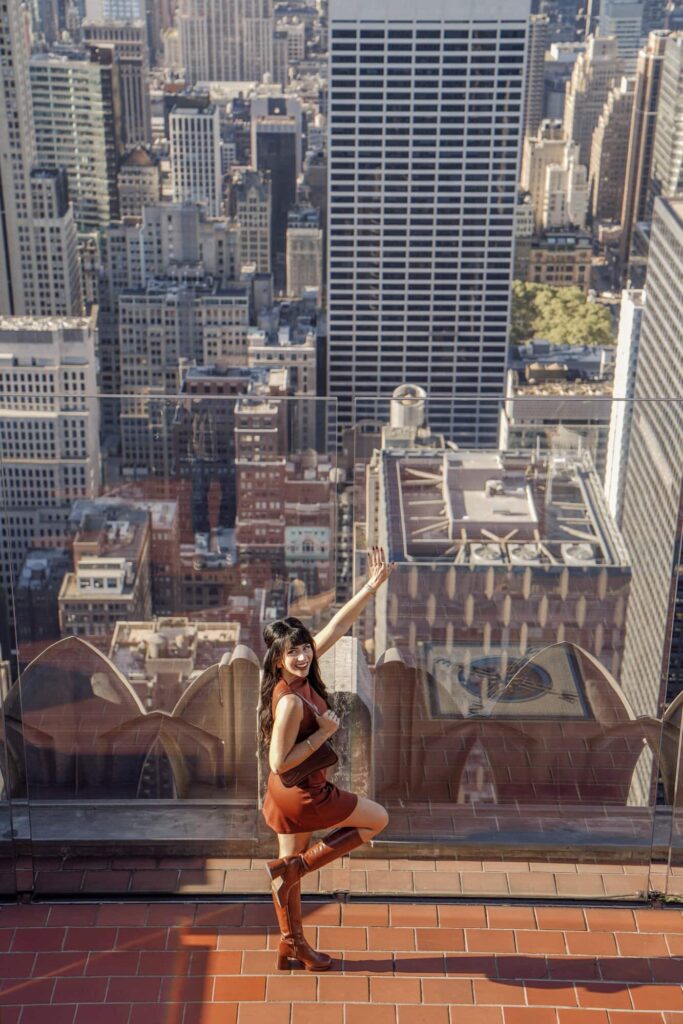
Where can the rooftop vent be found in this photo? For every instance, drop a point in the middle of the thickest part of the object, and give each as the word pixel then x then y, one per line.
pixel 525 554
pixel 578 554
pixel 486 554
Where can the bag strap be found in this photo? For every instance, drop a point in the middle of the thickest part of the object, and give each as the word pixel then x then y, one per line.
pixel 308 703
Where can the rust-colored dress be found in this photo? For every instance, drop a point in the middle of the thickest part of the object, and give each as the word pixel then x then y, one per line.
pixel 316 803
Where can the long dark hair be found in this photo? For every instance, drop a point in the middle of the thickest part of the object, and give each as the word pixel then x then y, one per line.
pixel 278 636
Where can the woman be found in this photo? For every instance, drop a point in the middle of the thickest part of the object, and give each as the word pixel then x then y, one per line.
pixel 291 730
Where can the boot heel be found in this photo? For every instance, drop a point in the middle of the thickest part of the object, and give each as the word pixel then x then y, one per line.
pixel 282 962
pixel 274 868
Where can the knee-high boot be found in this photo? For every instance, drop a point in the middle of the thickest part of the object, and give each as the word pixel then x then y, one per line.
pixel 286 871
pixel 293 945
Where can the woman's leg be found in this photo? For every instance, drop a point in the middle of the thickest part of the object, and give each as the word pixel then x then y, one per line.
pixel 293 945
pixel 290 845
pixel 368 817
pixel 366 820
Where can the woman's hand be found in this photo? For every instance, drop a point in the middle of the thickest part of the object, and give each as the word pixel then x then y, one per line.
pixel 328 723
pixel 379 570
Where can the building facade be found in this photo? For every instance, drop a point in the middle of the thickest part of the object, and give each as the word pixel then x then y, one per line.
pixel 595 73
pixel 250 207
pixel 58 286
pixel 196 166
pixel 623 19
pixel 77 124
pixel 534 89
pixel 421 202
pixel 129 42
pixel 609 152
pixel 17 144
pixel 48 430
pixel 652 525
pixel 641 140
pixel 628 342
pixel 667 156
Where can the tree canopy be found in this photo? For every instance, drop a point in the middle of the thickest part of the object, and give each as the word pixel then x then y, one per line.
pixel 563 316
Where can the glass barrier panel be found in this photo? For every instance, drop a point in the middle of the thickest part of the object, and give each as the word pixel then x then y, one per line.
pixel 509 695
pixel 158 538
pixel 513 729
pixel 10 815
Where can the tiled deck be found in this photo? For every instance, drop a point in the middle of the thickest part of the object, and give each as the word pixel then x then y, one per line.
pixel 396 963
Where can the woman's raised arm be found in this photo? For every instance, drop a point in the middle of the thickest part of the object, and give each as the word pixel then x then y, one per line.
pixel 339 625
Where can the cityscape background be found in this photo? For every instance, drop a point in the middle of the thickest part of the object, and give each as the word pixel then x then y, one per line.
pixel 281 281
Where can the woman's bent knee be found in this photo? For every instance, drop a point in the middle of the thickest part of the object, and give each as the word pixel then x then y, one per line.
pixel 382 818
pixel 376 818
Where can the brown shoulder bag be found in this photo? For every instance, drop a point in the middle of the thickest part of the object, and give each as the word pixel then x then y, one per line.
pixel 323 757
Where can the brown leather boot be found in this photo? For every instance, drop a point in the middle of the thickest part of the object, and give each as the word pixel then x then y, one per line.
pixel 293 945
pixel 288 870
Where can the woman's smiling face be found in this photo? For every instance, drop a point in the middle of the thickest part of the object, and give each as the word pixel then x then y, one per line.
pixel 296 661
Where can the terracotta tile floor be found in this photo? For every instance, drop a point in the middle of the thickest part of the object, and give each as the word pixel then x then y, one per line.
pixel 427 963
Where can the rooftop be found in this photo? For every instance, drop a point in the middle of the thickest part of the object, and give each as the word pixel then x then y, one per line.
pixel 19 324
pixel 394 963
pixel 490 507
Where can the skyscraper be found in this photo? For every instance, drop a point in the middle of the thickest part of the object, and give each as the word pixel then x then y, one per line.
pixel 196 156
pixel 630 322
pixel 77 126
pixel 623 19
pixel 275 142
pixel 226 40
pixel 250 207
pixel 667 154
pixel 609 150
pixel 48 430
pixel 596 72
pixel 653 492
pixel 641 139
pixel 16 146
pixel 534 88
pixel 426 112
pixel 58 273
pixel 129 43
pixel 654 15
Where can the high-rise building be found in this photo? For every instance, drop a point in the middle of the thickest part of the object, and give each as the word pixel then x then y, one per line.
pixel 158 326
pixel 596 72
pixel 426 112
pixel 276 141
pixel 641 139
pixel 48 430
pixel 77 125
pixel 196 156
pixel 623 19
pixel 249 205
pixel 609 151
pixel 17 147
pixel 59 289
pixel 304 252
pixel 592 16
pixel 653 490
pixel 559 63
pixel 628 341
pixel 129 43
pixel 226 40
pixel 540 151
pixel 654 16
pixel 667 155
pixel 488 579
pixel 174 243
pixel 534 87
pixel 139 182
pixel 565 191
